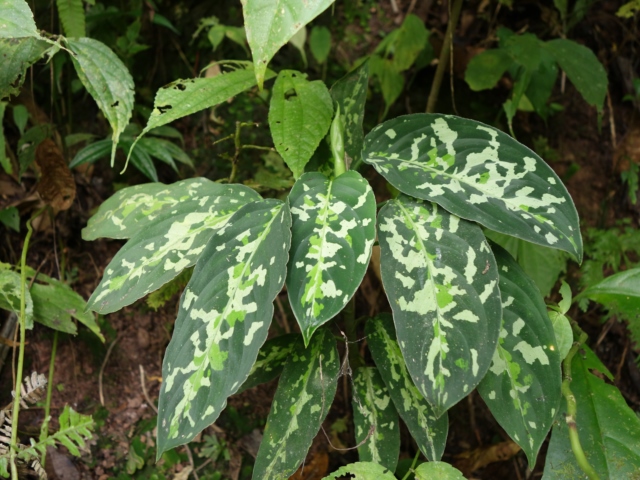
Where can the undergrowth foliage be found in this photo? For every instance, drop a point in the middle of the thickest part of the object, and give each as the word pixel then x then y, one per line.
pixel 464 313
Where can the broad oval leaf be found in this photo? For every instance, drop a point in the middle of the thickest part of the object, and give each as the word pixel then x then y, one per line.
pixel 350 93
pixel 305 392
pixel 17 54
pixel 487 68
pixel 439 471
pixel 132 209
pixel 429 432
pixel 620 291
pixel 270 24
pixel 362 471
pixel 478 173
pixel 333 232
pixel 522 386
pixel 442 283
pixel 271 359
pixel 225 313
pixel 607 427
pixel 10 294
pixel 375 419
pixel 16 20
pixel 165 245
pixel 300 114
pixel 108 81
pixel 320 43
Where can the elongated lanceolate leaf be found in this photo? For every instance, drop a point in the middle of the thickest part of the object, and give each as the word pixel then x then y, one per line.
pixel 620 291
pixel 607 427
pixel 522 386
pixel 478 173
pixel 375 419
pixel 333 232
pixel 270 24
pixel 71 13
pixel 362 471
pixel 350 93
pixel 184 97
pixel 130 210
pixel 10 293
pixel 17 54
pixel 271 359
pixel 305 393
pixel 439 471
pixel 442 283
pixel 429 433
pixel 299 117
pixel 225 313
pixel 168 244
pixel 16 20
pixel 108 81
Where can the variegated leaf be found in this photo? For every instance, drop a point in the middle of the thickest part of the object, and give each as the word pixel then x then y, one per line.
pixel 271 359
pixel 132 209
pixel 362 471
pixel 305 393
pixel 225 313
pixel 442 283
pixel 350 93
pixel 171 231
pixel 429 432
pixel 522 386
pixel 375 419
pixel 478 173
pixel 333 232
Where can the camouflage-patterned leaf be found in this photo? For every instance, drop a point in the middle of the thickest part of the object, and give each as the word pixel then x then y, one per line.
pixel 442 283
pixel 333 232
pixel 305 393
pixel 132 209
pixel 478 173
pixel 271 359
pixel 350 93
pixel 375 419
pixel 10 293
pixel 225 313
pixel 362 471
pixel 172 241
pixel 439 471
pixel 429 433
pixel 299 117
pixel 17 20
pixel 522 386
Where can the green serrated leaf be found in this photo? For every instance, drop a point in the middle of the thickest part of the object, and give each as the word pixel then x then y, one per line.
pixel 299 117
pixel 174 233
pixel 607 427
pixel 270 24
pixel 17 55
pixel 71 13
pixel 10 294
pixel 108 81
pixel 301 403
pixel 429 433
pixel 362 471
pixel 439 471
pixel 478 173
pixel 486 69
pixel 375 419
pixel 350 93
pixel 333 232
pixel 17 20
pixel 224 317
pixel 583 69
pixel 271 359
pixel 442 283
pixel 320 43
pixel 522 386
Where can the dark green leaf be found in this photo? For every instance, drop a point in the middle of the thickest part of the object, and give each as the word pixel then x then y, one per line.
pixel 391 81
pixel 429 433
pixel 92 152
pixel 5 162
pixel 71 14
pixel 410 41
pixel 141 160
pixel 333 232
pixel 299 117
pixel 522 386
pixel 442 283
pixel 478 173
pixel 271 359
pixel 320 43
pixel 524 49
pixel 620 291
pixel 17 54
pixel 10 217
pixel 224 317
pixel 305 393
pixel 487 68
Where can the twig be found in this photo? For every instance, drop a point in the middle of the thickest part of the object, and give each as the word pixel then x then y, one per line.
pixel 622 360
pixel 283 315
pixel 413 465
pixel 189 454
pixel 612 122
pixel 144 389
pixel 104 363
pixel 44 430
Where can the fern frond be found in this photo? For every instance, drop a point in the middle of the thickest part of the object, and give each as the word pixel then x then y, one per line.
pixel 34 390
pixel 71 15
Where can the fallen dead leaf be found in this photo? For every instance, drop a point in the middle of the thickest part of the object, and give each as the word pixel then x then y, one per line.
pixel 57 186
pixel 472 460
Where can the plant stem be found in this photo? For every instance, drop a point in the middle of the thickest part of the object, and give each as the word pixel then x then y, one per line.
pixel 444 56
pixel 350 331
pixel 13 445
pixel 413 465
pixel 44 430
pixel 572 407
